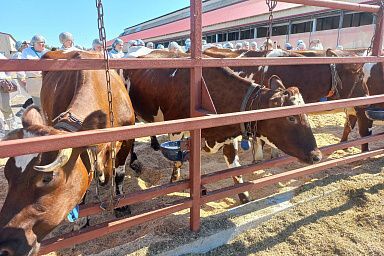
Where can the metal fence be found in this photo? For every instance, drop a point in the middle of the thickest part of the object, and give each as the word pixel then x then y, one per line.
pixel 194 124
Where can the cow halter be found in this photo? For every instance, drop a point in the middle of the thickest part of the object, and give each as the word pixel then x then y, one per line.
pixel 246 128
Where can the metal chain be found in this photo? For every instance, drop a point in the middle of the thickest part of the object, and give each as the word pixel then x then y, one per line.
pixel 271 5
pixel 103 39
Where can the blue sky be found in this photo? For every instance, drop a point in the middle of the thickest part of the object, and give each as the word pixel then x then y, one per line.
pixel 25 18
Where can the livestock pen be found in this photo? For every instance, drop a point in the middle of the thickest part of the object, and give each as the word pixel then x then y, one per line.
pixel 199 120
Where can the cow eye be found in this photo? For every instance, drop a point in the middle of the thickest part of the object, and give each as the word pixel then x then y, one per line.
pixel 291 119
pixel 47 178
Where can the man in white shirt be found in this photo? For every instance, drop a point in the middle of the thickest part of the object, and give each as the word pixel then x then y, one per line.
pixel 117 49
pixel 66 39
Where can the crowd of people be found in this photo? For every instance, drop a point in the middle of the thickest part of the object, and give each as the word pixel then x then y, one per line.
pixel 30 82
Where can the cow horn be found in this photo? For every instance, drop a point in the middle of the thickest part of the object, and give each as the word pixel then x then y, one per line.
pixel 61 159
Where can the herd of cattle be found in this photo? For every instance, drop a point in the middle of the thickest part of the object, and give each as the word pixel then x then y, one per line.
pixel 44 187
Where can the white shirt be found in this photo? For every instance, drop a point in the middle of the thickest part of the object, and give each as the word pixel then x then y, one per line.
pixel 70 49
pixel 30 54
pixel 137 51
pixel 113 54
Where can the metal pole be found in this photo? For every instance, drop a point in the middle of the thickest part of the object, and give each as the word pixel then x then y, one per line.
pixel 195 103
pixel 378 40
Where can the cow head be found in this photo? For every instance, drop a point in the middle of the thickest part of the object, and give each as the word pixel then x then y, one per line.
pixel 42 187
pixel 291 134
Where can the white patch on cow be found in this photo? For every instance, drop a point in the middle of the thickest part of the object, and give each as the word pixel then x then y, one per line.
pixel 159 116
pixel 235 163
pixel 215 148
pixel 276 53
pixel 297 99
pixel 179 136
pixel 367 71
pixel 24 160
pixel 173 74
pixel 238 73
pixel 258 153
pixel 267 141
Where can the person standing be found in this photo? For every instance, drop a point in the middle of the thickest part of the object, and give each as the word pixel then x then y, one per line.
pixel 7 85
pixel 97 46
pixel 34 78
pixel 20 75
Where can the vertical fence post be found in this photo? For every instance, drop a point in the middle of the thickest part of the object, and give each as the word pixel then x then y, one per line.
pixel 378 41
pixel 195 103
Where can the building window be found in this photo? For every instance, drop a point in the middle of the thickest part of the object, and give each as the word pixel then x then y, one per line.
pixel 261 32
pixel 211 38
pixel 222 37
pixel 357 19
pixel 247 34
pixel 327 23
pixel 301 27
pixel 279 30
pixel 232 36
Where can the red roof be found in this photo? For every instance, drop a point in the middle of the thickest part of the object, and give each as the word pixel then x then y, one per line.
pixel 229 13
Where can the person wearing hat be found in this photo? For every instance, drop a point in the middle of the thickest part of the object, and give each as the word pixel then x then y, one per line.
pixel 67 42
pixel 228 45
pixel 288 46
pixel 187 46
pixel 300 45
pixel 20 75
pixel 174 47
pixel 160 47
pixel 34 80
pixel 97 45
pixel 117 49
pixel 253 46
pixel 246 45
pixel 150 45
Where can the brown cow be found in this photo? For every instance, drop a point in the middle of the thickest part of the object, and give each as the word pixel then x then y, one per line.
pixel 44 187
pixel 314 81
pixel 163 94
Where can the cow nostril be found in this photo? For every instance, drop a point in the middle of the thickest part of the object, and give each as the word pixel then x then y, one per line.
pixel 5 252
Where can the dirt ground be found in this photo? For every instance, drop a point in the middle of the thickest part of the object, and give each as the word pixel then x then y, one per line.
pixel 349 222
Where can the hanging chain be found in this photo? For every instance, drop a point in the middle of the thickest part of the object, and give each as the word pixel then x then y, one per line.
pixel 271 5
pixel 103 39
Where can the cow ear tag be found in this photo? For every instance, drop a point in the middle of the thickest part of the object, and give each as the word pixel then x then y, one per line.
pixel 73 215
pixel 244 143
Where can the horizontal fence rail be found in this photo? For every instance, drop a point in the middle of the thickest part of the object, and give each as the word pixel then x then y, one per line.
pixel 79 139
pixel 96 64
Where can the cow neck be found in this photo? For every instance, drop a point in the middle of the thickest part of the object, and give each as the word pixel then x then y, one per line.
pixel 254 89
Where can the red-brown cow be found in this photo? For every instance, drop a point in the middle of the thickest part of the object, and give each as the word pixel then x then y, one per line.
pixel 44 187
pixel 163 94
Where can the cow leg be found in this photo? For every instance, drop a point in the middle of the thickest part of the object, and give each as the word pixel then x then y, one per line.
pixel 365 126
pixel 350 122
pixel 176 171
pixel 230 151
pixel 155 143
pixel 121 157
pixel 134 163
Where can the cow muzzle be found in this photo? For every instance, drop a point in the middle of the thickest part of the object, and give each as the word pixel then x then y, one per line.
pixel 315 156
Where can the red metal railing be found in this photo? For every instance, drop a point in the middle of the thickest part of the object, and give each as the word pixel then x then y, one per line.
pixel 194 124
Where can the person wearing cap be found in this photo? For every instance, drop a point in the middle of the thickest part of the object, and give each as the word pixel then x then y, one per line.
pixel 150 45
pixel 288 46
pixel 34 79
pixel 97 45
pixel 238 46
pixel 253 46
pixel 160 47
pixel 20 75
pixel 246 45
pixel 174 47
pixel 117 49
pixel 228 45
pixel 67 42
pixel 300 45
pixel 187 46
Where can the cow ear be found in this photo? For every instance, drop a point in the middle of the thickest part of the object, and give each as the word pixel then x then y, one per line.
pixel 331 53
pixel 275 83
pixel 95 120
pixel 32 116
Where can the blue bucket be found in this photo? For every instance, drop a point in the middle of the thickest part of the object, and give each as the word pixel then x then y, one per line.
pixel 171 150
pixel 375 113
